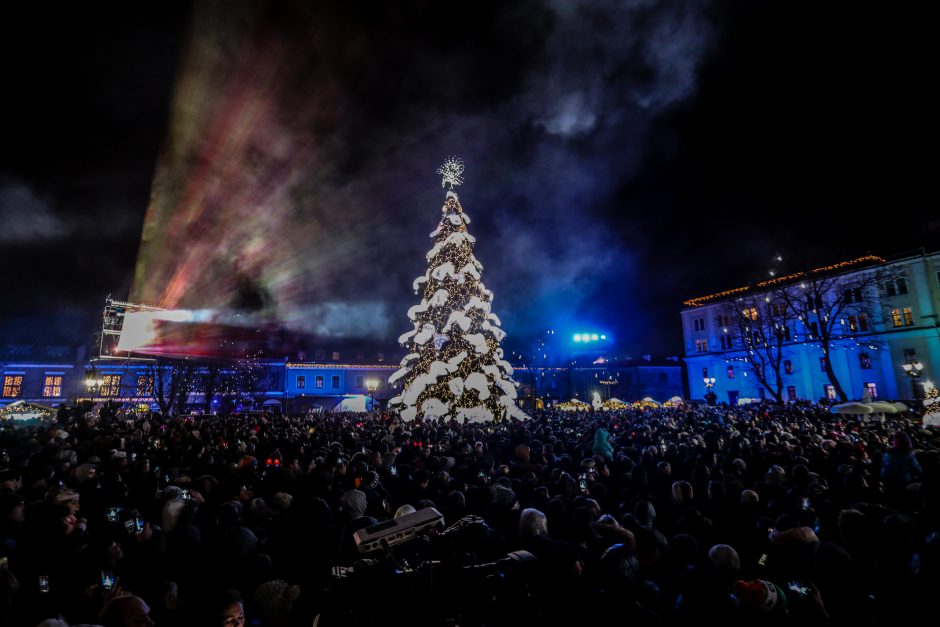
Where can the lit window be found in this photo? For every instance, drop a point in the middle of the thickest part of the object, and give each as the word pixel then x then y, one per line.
pixel 896 319
pixel 335 355
pixel 829 391
pixel 110 385
pixel 52 386
pixel 144 385
pixel 12 385
pixel 318 382
pixel 750 313
pixel 872 390
pixel 701 346
pixel 301 382
pixel 908 317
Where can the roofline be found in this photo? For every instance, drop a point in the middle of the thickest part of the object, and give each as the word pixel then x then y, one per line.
pixel 838 268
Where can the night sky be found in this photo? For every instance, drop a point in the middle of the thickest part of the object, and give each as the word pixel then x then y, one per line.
pixel 620 156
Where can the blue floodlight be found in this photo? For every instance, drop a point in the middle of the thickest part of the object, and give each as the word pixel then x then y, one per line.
pixel 594 337
pixel 603 337
pixel 577 337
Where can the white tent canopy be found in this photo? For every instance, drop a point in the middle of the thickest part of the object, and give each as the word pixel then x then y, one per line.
pixel 852 409
pixel 23 410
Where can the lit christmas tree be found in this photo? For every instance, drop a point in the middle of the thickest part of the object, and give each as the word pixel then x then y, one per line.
pixel 454 367
pixel 931 405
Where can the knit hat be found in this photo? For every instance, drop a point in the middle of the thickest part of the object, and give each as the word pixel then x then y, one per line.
pixel 724 556
pixel 353 502
pixel 760 594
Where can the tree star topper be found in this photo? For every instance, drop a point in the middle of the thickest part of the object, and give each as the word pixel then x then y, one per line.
pixel 451 172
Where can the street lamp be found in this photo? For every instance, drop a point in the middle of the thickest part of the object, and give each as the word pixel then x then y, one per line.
pixel 371 385
pixel 913 370
pixel 709 394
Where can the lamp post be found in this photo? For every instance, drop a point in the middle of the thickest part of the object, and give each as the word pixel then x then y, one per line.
pixel 709 393
pixel 371 385
pixel 913 370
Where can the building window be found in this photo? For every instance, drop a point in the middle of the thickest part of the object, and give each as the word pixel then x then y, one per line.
pixel 902 286
pixel 301 382
pixel 705 372
pixel 701 346
pixel 909 354
pixel 938 278
pixel 872 390
pixel 698 324
pixel 110 385
pixel 864 361
pixel 360 382
pixel 896 319
pixel 858 323
pixel 750 313
pixel 380 357
pixel 822 364
pixel 13 385
pixel 145 385
pixel 791 393
pixel 319 355
pixel 726 342
pixel 787 366
pixel 908 317
pixel 318 382
pixel 730 372
pixel 829 391
pixel 335 355
pixel 334 382
pixel 52 386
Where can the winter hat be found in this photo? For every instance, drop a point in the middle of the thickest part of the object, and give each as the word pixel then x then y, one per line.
pixel 354 503
pixel 749 496
pixel 760 594
pixel 724 556
pixel 404 510
pixel 282 500
pixel 83 472
pixel 370 480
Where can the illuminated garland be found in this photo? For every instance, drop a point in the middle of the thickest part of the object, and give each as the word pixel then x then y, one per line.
pixel 700 300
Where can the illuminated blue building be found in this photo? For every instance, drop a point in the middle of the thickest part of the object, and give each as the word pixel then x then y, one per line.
pixel 885 338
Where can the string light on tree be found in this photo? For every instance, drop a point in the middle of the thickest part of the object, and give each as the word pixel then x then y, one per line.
pixel 454 367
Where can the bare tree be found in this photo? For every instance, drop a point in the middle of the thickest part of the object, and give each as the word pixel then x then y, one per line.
pixel 211 381
pixel 171 382
pixel 837 310
pixel 760 326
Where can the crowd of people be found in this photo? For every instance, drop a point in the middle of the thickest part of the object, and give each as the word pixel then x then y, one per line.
pixel 784 514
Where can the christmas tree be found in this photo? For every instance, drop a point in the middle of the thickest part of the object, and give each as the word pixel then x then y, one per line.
pixel 454 367
pixel 931 405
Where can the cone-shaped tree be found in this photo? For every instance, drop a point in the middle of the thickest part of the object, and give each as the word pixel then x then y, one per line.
pixel 455 366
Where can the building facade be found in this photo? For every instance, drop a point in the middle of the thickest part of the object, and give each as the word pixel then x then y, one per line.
pixel 878 318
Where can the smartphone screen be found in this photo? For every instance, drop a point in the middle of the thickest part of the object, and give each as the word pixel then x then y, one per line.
pixel 805 503
pixel 114 513
pixel 107 579
pixel 44 583
pixel 185 495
